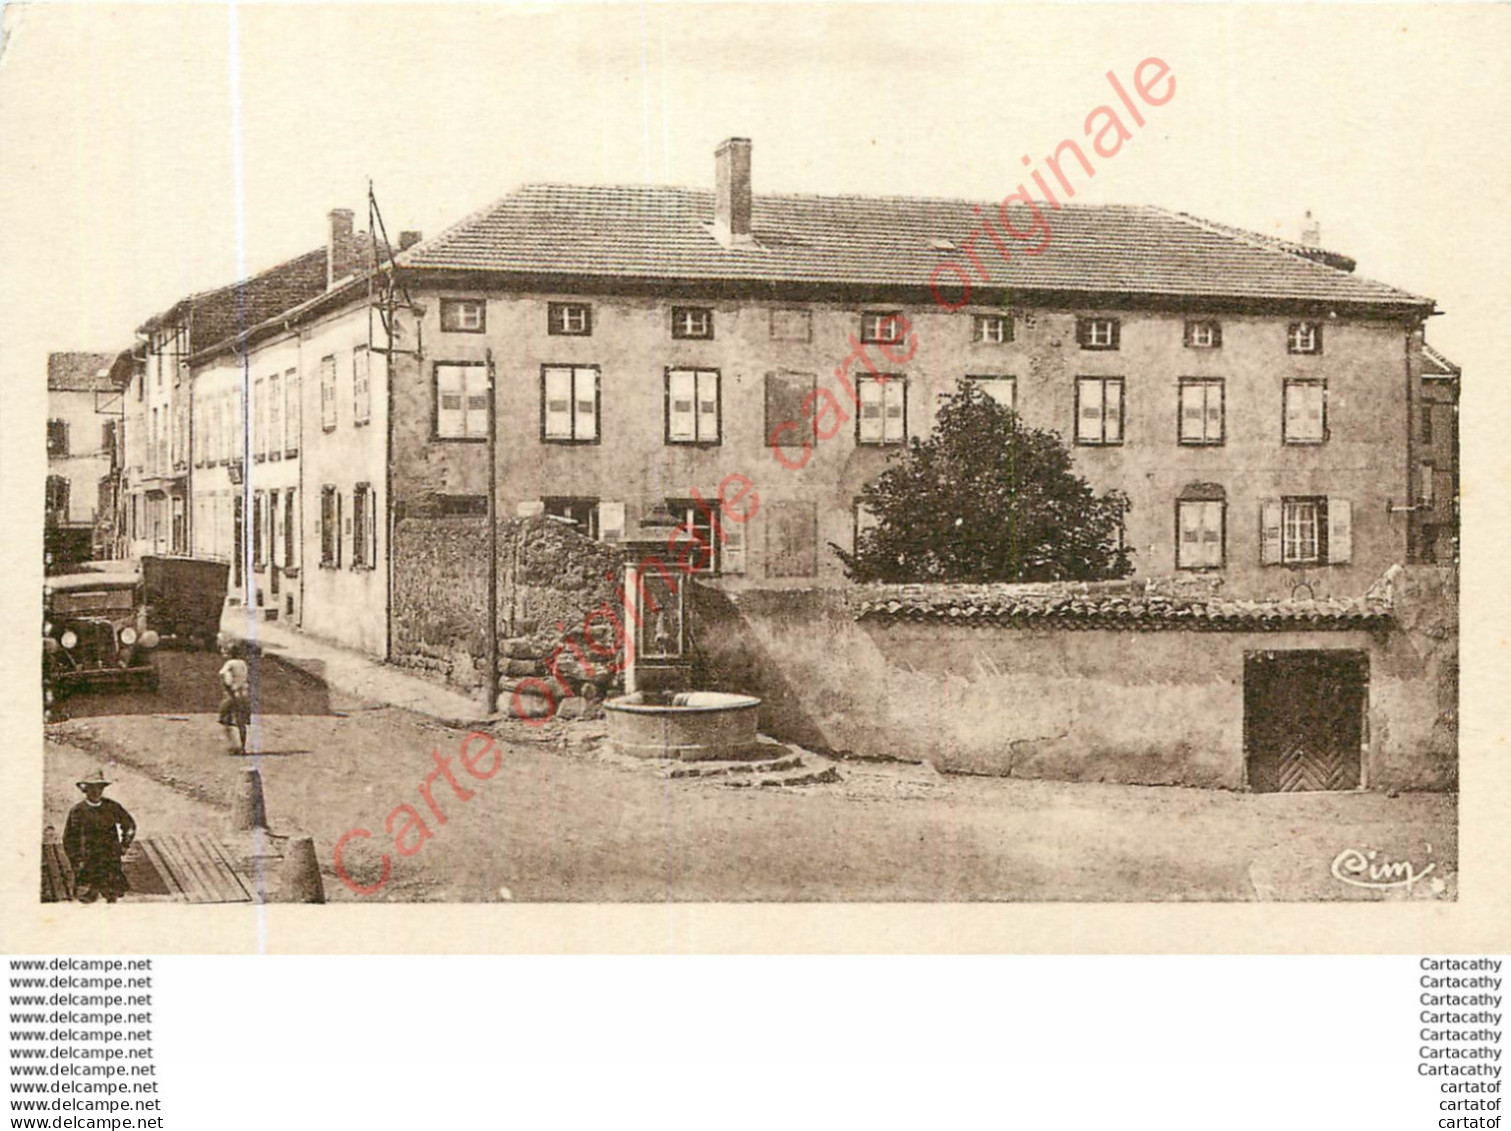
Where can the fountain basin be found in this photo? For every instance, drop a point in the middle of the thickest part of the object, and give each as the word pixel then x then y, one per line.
pixel 689 726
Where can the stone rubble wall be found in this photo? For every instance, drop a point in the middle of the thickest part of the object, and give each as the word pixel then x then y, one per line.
pixel 549 579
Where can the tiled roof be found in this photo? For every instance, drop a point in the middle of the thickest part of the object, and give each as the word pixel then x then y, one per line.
pixel 228 311
pixel 1122 605
pixel 1436 365
pixel 222 313
pixel 72 372
pixel 662 232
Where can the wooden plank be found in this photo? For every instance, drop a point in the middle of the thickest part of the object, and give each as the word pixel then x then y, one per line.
pixel 57 875
pixel 196 881
pixel 165 870
pixel 219 877
pixel 235 885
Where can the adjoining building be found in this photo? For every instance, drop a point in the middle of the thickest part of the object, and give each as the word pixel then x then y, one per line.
pixel 1435 517
pixel 166 438
pixel 83 457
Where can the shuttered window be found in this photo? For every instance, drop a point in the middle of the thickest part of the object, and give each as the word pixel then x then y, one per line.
pixel 364 527
pixel 1099 410
pixel 260 419
pixel 330 528
pixel 328 393
pixel 694 541
pixel 1098 333
pixel 275 417
pixel 1306 530
pixel 292 416
pixel 461 399
pixel 1305 412
pixel 1199 534
pixel 569 397
pixel 692 406
pixel 785 395
pixel 1201 411
pixel 361 386
pixel 883 409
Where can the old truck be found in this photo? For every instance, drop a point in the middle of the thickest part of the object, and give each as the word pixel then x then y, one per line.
pixel 185 597
pixel 95 633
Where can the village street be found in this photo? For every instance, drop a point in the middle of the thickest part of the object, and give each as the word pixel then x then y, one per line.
pixel 562 821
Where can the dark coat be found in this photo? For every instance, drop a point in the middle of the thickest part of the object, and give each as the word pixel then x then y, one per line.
pixel 94 838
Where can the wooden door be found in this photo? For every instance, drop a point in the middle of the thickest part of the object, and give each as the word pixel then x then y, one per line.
pixel 1304 719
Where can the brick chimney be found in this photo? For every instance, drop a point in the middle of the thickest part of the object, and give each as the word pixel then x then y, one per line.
pixel 340 247
pixel 407 240
pixel 732 191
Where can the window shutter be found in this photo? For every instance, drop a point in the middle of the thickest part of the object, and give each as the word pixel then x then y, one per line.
pixel 1191 412
pixel 1083 331
pixel 1113 410
pixel 1211 534
pixel 1214 412
pixel 708 407
pixel 1089 419
pixel 734 548
pixel 785 394
pixel 681 392
pixel 611 521
pixel 895 396
pixel 558 406
pixel 586 424
pixel 1340 531
pixel 476 384
pixel 871 425
pixel 1269 532
pixel 450 417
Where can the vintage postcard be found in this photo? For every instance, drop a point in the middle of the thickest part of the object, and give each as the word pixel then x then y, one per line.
pixel 771 477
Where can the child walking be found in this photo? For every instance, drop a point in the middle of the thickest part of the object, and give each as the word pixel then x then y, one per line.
pixel 236 707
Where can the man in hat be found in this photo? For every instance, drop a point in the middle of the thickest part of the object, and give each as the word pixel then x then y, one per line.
pixel 97 833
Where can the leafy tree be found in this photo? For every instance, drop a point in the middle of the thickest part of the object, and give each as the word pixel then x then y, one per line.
pixel 986 498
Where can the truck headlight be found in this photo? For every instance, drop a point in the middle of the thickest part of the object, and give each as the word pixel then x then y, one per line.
pixel 68 640
pixel 149 639
pixel 128 636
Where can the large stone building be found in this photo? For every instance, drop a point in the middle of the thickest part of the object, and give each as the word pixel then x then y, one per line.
pixel 83 453
pixel 608 350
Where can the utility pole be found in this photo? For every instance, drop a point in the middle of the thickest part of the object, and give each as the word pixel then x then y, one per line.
pixel 492 704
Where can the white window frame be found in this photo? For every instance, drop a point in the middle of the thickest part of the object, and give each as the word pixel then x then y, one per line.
pixel 1300 519
pixel 695 323
pixel 464 315
pixel 1304 337
pixel 873 322
pixel 990 329
pixel 572 319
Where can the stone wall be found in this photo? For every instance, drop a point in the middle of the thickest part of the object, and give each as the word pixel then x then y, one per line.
pixel 1158 706
pixel 549 579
